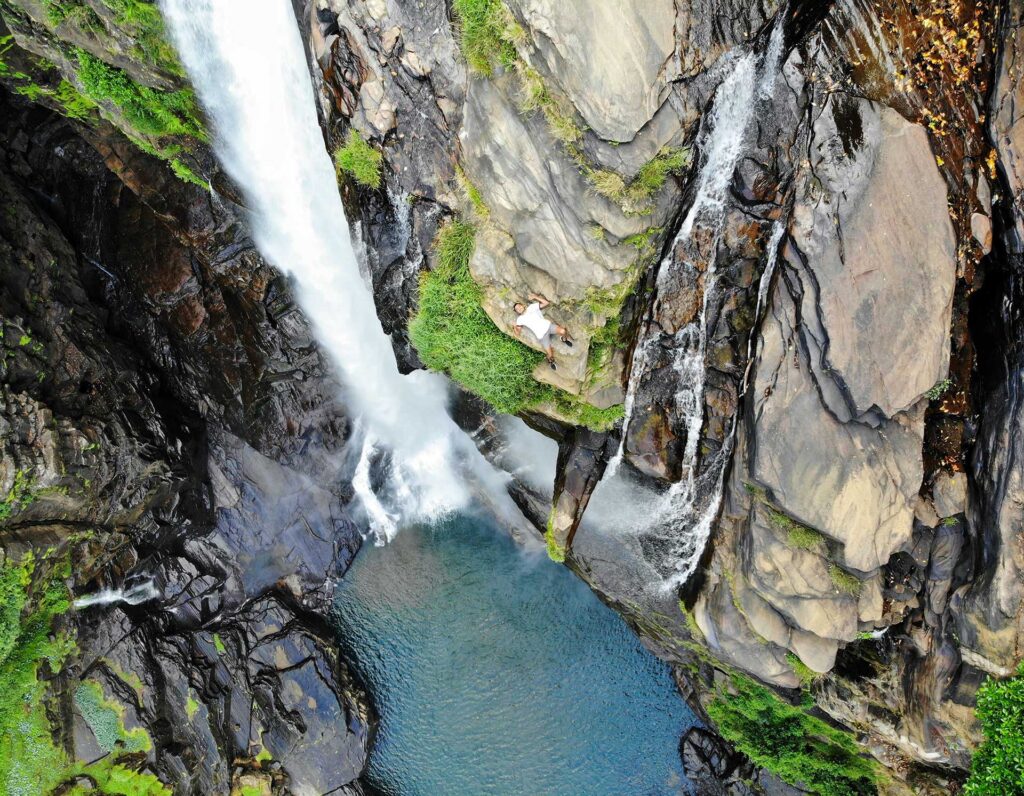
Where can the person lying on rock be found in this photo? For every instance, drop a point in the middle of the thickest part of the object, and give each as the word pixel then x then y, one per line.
pixel 532 317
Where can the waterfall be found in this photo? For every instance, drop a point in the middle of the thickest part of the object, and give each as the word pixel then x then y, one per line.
pixel 249 68
pixel 681 524
pixel 132 595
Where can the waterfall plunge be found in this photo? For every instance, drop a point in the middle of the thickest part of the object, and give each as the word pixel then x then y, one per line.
pixel 248 65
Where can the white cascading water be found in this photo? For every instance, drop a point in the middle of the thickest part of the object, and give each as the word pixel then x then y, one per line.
pixel 249 68
pixel 132 595
pixel 688 503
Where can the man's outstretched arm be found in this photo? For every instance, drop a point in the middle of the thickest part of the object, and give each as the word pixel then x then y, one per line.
pixel 539 299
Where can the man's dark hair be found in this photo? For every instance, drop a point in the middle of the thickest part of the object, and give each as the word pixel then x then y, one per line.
pixel 517 305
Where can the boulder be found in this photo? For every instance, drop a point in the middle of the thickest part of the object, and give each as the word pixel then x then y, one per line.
pixel 612 61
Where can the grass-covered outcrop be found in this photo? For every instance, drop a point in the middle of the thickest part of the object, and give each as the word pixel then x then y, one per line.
pixel 82 41
pixel 359 160
pixel 453 334
pixel 788 742
pixel 33 647
pixel 44 84
pixel 998 765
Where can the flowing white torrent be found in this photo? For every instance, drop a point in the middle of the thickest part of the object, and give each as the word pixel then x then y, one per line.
pixel 132 595
pixel 249 68
pixel 692 503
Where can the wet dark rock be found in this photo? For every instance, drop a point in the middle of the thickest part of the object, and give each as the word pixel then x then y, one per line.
pixel 143 391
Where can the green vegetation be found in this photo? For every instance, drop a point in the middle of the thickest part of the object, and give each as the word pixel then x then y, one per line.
pixel 806 674
pixel 649 180
pixel 106 720
pixel 143 21
pixel 844 581
pixel 76 13
pixel 798 748
pixel 29 761
pixel 191 706
pixel 480 208
pixel 218 644
pixel 112 779
pixel 799 536
pixel 556 551
pixel 20 496
pixel 938 390
pixel 359 160
pixel 149 111
pixel 487 33
pixel 581 413
pixel 534 96
pixel 998 765
pixel 691 623
pixel 453 333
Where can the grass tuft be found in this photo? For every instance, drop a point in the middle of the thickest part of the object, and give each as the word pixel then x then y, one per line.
pixel 844 581
pixel 806 674
pixel 359 160
pixel 487 33
pixel 476 199
pixel 634 197
pixel 799 536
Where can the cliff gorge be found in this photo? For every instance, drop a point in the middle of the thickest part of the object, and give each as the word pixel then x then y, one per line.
pixel 786 238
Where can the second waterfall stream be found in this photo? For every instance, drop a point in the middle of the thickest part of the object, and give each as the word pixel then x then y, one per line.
pixel 248 66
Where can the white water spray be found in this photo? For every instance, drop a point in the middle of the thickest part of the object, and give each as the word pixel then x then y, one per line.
pixel 132 595
pixel 249 68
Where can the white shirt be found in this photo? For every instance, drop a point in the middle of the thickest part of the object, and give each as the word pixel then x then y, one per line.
pixel 534 320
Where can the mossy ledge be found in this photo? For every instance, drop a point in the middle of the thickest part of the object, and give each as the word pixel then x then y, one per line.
pixel 453 334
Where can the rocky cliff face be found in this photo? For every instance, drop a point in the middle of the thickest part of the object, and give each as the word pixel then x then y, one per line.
pixel 871 206
pixel 818 378
pixel 168 424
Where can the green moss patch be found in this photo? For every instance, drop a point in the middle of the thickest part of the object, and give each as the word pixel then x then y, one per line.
pixel 30 763
pixel 20 496
pixel 556 550
pixel 33 596
pixel 106 720
pixel 359 160
pixel 998 765
pixel 844 581
pixel 798 748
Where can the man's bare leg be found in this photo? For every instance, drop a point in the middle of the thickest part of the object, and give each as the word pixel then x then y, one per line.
pixel 563 333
